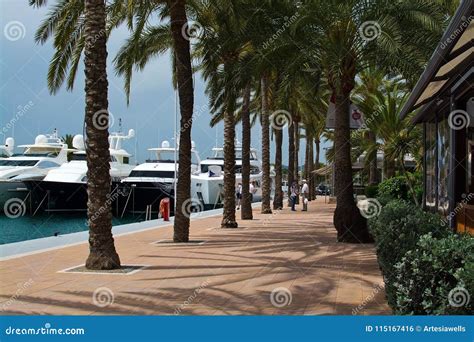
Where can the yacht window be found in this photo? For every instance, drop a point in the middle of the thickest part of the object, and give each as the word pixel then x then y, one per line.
pixel 164 156
pixel 152 174
pixel 126 160
pixel 205 168
pixel 113 159
pixel 9 162
pixel 46 164
pixel 78 157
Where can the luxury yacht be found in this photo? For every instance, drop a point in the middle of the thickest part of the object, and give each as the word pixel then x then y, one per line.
pixel 154 180
pixel 48 152
pixel 208 185
pixel 65 189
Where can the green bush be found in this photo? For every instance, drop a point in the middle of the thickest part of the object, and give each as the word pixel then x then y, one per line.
pixel 371 191
pixel 396 230
pixel 436 278
pixel 395 187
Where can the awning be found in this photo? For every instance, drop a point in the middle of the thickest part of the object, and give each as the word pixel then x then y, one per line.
pixel 453 57
pixel 324 171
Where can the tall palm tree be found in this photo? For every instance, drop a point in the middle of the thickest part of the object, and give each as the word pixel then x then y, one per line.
pixel 246 202
pixel 345 38
pixel 149 39
pixel 184 75
pixel 223 52
pixel 81 26
pixel 265 122
pixel 102 254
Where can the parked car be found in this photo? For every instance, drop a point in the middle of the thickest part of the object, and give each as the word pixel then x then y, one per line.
pixel 322 190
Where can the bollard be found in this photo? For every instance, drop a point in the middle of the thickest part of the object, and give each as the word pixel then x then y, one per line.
pixel 165 209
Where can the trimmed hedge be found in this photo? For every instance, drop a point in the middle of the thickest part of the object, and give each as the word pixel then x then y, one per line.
pixel 436 277
pixel 396 231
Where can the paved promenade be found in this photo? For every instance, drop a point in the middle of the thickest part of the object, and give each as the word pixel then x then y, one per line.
pixel 287 263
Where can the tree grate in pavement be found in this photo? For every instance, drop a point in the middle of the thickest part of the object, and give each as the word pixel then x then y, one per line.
pixel 123 270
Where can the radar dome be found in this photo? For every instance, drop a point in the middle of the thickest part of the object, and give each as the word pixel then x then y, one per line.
pixel 165 144
pixel 10 143
pixel 41 139
pixel 131 133
pixel 78 142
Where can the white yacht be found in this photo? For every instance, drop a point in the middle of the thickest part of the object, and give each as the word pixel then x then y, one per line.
pixel 48 152
pixel 65 189
pixel 154 180
pixel 208 185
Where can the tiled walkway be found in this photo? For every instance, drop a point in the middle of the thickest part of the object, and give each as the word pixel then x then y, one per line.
pixel 286 263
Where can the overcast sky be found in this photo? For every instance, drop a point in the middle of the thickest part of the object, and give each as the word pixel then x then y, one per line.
pixel 26 102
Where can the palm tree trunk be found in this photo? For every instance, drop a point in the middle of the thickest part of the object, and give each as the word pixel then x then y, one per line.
pixel 278 200
pixel 373 163
pixel 296 166
pixel 306 162
pixel 317 144
pixel 351 226
pixel 246 202
pixel 266 181
pixel 311 168
pixel 102 253
pixel 184 76
pixel 291 159
pixel 228 218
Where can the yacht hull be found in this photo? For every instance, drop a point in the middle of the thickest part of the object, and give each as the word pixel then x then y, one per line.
pixel 11 192
pixel 143 195
pixel 210 190
pixel 63 197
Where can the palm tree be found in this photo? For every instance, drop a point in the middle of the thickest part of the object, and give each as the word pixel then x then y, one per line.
pixel 81 26
pixel 223 52
pixel 246 202
pixel 345 39
pixel 102 254
pixel 265 122
pixel 148 40
pixel 184 73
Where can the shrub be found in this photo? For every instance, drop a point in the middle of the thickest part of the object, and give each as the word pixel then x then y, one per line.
pixel 395 187
pixel 371 191
pixel 396 230
pixel 436 278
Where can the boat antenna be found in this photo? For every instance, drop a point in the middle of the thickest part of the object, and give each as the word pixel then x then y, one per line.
pixel 120 125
